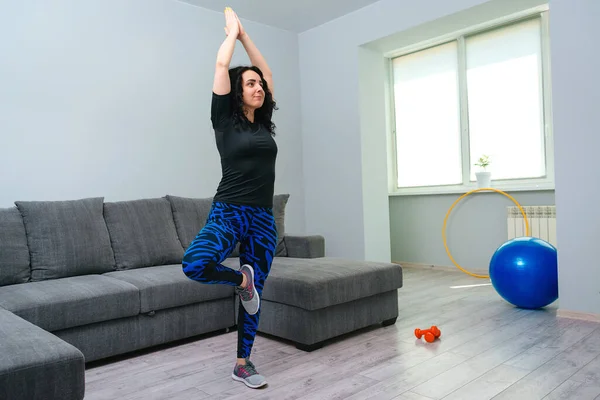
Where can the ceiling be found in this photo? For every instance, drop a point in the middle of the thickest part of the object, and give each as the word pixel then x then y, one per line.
pixel 296 16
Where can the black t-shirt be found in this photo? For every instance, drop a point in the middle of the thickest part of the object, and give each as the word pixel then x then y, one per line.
pixel 248 157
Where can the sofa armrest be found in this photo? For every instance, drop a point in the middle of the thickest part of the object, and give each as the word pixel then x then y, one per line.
pixel 312 246
pixel 35 363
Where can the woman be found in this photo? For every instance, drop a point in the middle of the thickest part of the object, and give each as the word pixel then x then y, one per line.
pixel 242 106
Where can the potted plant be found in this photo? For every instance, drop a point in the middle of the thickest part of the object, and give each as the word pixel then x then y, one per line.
pixel 483 177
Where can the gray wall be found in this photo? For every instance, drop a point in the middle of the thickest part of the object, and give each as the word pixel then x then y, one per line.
pixel 574 30
pixel 343 115
pixel 336 123
pixel 112 98
pixel 475 228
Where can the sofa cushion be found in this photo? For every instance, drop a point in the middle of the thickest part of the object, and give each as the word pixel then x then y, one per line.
pixel 143 233
pixel 167 286
pixel 68 302
pixel 66 238
pixel 317 283
pixel 14 253
pixel 35 364
pixel 190 216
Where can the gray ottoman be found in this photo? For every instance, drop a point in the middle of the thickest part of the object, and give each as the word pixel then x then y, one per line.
pixel 35 364
pixel 311 300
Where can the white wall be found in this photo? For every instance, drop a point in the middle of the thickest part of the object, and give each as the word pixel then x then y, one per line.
pixel 373 126
pixel 112 98
pixel 574 32
pixel 475 229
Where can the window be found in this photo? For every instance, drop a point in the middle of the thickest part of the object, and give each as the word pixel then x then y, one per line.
pixel 477 94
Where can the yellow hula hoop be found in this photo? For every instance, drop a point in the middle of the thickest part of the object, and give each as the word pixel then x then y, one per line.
pixel 456 202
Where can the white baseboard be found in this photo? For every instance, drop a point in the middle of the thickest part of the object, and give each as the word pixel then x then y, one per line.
pixel 578 315
pixel 440 267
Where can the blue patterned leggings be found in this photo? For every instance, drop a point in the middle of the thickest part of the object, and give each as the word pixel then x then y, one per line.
pixel 227 224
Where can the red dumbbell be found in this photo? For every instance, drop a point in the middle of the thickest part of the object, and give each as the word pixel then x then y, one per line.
pixel 430 334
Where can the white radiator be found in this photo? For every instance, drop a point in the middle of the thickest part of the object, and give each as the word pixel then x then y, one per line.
pixel 542 222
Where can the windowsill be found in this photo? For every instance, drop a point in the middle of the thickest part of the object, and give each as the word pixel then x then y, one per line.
pixel 461 189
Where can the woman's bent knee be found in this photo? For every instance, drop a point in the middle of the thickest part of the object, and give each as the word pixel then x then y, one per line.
pixel 195 268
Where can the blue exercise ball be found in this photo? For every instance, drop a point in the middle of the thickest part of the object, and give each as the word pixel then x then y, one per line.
pixel 524 272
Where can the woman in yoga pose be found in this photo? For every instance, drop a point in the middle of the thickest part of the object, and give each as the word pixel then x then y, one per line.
pixel 241 111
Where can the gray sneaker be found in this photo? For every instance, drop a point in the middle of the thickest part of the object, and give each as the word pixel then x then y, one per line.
pixel 247 374
pixel 249 296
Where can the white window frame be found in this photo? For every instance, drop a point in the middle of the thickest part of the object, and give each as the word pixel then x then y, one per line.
pixel 533 184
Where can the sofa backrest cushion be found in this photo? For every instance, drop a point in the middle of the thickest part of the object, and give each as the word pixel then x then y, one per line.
pixel 66 238
pixel 14 253
pixel 190 215
pixel 143 233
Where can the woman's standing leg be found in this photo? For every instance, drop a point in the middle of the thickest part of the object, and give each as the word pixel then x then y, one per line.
pixel 257 250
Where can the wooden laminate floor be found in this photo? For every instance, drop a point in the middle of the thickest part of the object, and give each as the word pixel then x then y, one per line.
pixel 488 350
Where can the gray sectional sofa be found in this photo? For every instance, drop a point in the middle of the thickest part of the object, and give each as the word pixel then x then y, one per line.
pixel 83 280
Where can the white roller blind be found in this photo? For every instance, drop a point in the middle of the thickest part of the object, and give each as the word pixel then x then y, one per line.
pixel 427 115
pixel 505 103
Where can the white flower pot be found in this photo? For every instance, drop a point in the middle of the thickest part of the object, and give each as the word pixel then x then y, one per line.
pixel 483 179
